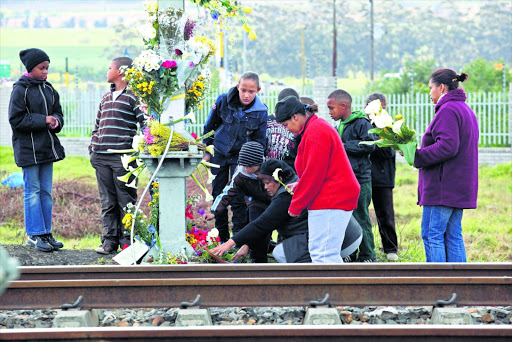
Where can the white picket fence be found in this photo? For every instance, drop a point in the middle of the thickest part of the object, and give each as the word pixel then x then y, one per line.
pixel 493 111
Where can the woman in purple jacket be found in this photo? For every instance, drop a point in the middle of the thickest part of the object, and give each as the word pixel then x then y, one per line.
pixel 448 168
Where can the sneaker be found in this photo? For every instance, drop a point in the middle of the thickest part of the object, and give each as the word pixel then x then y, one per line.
pixel 51 240
pixel 104 250
pixel 366 260
pixel 348 259
pixel 392 257
pixel 39 242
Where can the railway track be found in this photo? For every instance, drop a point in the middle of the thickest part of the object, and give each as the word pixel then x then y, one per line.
pixel 261 285
pixel 268 333
pixel 271 291
pixel 267 271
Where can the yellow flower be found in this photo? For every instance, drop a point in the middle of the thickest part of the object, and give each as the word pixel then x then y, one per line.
pixel 247 28
pixel 398 117
pixel 246 9
pixel 252 35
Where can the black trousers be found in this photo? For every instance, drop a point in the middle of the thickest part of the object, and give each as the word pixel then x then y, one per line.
pixel 114 196
pixel 238 206
pixel 258 249
pixel 383 204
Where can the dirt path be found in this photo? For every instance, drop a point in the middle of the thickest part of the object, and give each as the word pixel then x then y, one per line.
pixel 28 256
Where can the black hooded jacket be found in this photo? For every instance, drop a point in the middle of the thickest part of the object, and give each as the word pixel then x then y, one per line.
pixel 32 140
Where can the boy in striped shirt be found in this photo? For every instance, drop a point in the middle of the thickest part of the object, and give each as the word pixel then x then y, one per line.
pixel 115 127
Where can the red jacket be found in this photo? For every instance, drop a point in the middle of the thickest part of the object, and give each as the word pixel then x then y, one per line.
pixel 326 177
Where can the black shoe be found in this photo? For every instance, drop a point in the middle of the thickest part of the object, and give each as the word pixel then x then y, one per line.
pixel 39 242
pixel 55 244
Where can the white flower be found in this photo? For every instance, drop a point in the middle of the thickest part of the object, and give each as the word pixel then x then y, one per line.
pixel 382 121
pixel 213 233
pixel 211 176
pixel 397 126
pixel 275 174
pixel 147 31
pixel 373 107
pixel 127 159
pixel 136 142
pixel 210 149
pixel 148 60
pixel 205 163
pixel 190 116
pixel 209 197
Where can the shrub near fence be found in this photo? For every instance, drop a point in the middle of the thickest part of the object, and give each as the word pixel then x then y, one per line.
pixel 493 111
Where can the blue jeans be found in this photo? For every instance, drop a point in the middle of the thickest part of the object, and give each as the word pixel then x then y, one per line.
pixel 326 233
pixel 38 199
pixel 441 230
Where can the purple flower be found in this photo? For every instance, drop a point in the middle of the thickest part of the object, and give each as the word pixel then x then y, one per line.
pixel 215 15
pixel 189 29
pixel 201 211
pixel 178 52
pixel 191 64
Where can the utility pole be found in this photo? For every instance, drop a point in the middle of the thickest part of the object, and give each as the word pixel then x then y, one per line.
pixel 303 59
pixel 371 42
pixel 334 38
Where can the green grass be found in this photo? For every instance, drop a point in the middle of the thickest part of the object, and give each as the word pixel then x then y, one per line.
pixel 70 168
pixel 487 230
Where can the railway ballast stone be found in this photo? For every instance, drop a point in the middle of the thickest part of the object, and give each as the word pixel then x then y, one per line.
pixel 10 319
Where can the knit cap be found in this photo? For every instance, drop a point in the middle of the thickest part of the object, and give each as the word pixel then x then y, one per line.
pixel 287 107
pixel 32 57
pixel 251 154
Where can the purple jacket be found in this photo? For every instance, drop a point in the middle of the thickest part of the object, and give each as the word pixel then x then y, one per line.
pixel 448 157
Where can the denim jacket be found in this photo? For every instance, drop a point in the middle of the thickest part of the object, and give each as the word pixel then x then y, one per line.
pixel 234 126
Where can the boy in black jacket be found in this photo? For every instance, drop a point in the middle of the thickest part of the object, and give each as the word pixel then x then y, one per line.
pixel 36 117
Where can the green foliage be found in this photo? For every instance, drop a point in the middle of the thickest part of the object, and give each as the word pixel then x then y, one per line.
pixel 483 77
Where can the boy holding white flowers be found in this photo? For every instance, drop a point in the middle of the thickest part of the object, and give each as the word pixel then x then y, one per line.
pixel 115 127
pixel 353 128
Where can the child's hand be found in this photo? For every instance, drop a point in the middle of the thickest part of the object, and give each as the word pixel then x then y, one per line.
pixel 209 216
pixel 52 122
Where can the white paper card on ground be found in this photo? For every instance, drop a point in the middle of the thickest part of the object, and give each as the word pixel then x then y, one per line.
pixel 125 258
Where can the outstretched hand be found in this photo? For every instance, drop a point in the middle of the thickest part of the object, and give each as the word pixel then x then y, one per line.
pixel 226 246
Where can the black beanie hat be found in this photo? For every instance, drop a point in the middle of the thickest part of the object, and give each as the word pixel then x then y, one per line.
pixel 32 57
pixel 251 154
pixel 269 166
pixel 287 107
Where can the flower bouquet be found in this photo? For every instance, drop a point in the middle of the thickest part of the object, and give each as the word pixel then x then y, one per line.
pixel 392 133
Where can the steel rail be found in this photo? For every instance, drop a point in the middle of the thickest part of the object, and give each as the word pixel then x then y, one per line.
pixel 267 270
pixel 233 292
pixel 438 333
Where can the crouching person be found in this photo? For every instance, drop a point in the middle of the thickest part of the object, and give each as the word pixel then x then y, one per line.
pixel 293 230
